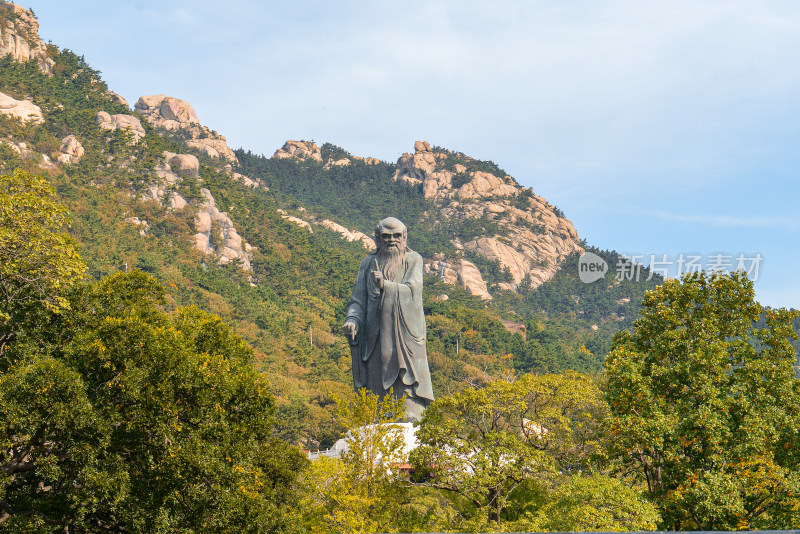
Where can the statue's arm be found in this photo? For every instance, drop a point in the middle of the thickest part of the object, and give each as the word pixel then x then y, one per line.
pixel 357 307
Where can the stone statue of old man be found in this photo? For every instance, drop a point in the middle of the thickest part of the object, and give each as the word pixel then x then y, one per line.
pixel 386 324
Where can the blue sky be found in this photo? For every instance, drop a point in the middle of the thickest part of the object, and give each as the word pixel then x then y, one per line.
pixel 661 127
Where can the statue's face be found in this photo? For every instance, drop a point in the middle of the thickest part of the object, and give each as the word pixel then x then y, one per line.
pixel 391 237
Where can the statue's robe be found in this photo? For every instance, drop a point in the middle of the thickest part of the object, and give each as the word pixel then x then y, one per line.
pixel 389 350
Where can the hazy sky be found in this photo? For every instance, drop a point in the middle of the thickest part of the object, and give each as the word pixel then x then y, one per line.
pixel 660 127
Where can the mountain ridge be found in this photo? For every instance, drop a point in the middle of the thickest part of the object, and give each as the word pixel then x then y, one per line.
pixel 271 244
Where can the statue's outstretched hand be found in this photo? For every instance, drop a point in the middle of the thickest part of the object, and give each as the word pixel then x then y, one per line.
pixel 377 275
pixel 350 329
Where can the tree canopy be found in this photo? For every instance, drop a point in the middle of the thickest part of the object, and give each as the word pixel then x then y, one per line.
pixel 503 449
pixel 705 406
pixel 38 259
pixel 131 419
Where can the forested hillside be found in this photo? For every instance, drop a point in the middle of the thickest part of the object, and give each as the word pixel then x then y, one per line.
pixel 170 340
pixel 289 305
pixel 288 302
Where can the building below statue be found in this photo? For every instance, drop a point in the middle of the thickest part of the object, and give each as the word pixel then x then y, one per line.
pixel 341 446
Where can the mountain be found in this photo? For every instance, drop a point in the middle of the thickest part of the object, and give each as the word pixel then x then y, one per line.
pixel 481 211
pixel 272 244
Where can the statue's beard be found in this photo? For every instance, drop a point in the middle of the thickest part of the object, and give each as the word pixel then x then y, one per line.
pixel 391 260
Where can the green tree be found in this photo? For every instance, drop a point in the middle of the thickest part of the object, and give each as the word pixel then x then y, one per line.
pixel 125 418
pixel 705 406
pixel 38 260
pixel 491 446
pixel 473 444
pixel 364 489
pixel 595 503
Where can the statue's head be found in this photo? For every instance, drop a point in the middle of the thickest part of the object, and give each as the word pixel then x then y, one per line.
pixel 391 234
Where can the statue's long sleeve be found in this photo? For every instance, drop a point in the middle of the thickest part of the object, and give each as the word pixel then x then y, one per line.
pixel 357 307
pixel 357 311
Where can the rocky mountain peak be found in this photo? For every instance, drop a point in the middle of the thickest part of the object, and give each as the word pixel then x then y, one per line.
pixel 177 115
pixel 309 150
pixel 301 150
pixel 19 36
pixel 519 230
pixel 445 174
pixel 524 233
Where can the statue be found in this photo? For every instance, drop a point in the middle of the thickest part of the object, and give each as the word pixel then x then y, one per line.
pixel 385 322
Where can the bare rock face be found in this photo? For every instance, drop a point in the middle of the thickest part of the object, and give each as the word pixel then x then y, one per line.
pixel 166 178
pixel 166 112
pixel 368 161
pixel 19 36
pixel 463 272
pixel 216 147
pixel 118 99
pixel 217 236
pixel 175 114
pixel 429 168
pixel 185 165
pixel 515 327
pixel 309 150
pixel 246 180
pixel 525 234
pixel 20 148
pixel 176 202
pixel 71 150
pixel 349 235
pixel 302 223
pixel 47 164
pixel 24 110
pixel 301 150
pixel 121 121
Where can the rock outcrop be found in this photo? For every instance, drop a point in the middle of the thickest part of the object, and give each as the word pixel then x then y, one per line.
pixel 216 235
pixel 167 112
pixel 177 115
pixel 305 150
pixel 463 272
pixel 246 180
pixel 185 165
pixel 144 226
pixel 46 163
pixel 349 235
pixel 515 327
pixel 19 36
pixel 24 110
pixel 121 121
pixel 301 150
pixel 302 223
pixel 429 168
pixel 527 235
pixel 161 190
pixel 368 161
pixel 71 150
pixel 118 99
